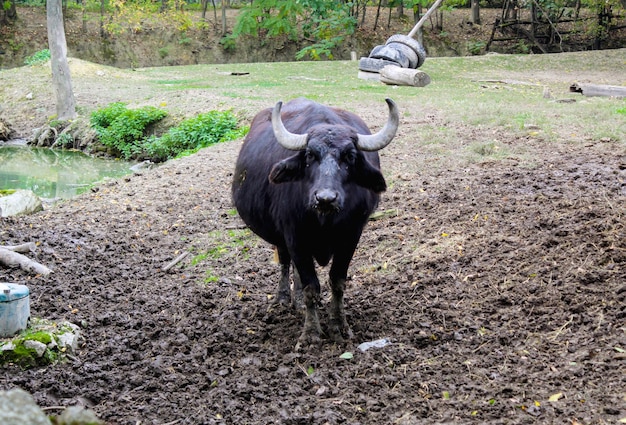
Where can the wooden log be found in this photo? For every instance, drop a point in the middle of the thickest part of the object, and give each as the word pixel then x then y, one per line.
pixel 10 258
pixel 598 90
pixel 394 75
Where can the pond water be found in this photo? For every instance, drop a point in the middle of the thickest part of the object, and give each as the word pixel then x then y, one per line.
pixel 55 174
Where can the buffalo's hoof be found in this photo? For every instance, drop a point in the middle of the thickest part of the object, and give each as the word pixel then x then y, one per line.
pixel 282 299
pixel 339 332
pixel 308 341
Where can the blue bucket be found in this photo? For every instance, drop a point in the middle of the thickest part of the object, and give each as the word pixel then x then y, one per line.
pixel 14 308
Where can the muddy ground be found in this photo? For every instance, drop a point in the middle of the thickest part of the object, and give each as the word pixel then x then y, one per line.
pixel 500 285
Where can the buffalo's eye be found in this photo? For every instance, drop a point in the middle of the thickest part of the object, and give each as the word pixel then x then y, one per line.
pixel 309 157
pixel 349 157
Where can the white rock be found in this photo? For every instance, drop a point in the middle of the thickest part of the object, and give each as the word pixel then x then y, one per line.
pixel 19 202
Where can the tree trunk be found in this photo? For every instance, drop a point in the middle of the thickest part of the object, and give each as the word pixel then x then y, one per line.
pixel 102 10
pixel 10 13
pixel 475 12
pixel 224 26
pixel 380 2
pixel 417 15
pixel 61 79
pixel 84 15
pixel 205 6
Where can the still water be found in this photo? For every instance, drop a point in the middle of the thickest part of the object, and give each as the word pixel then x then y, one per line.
pixel 55 174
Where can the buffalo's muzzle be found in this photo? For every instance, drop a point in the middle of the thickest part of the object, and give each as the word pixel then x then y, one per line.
pixel 326 201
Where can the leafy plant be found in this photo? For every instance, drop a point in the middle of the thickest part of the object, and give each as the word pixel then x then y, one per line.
pixel 325 22
pixel 38 58
pixel 476 47
pixel 123 129
pixel 328 25
pixel 193 134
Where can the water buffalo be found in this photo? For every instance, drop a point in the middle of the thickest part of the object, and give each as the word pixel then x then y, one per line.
pixel 306 180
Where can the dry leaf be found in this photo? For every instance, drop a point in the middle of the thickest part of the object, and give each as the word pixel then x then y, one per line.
pixel 555 397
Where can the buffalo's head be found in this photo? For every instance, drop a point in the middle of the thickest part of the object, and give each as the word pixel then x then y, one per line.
pixel 331 157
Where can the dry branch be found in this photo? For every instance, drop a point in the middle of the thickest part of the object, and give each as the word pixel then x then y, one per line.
pixel 9 258
pixel 175 261
pixel 25 247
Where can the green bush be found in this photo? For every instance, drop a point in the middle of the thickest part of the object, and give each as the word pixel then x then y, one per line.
pixel 193 134
pixel 123 129
pixel 476 47
pixel 38 58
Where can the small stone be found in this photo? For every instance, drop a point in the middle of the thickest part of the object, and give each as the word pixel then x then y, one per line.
pixel 78 415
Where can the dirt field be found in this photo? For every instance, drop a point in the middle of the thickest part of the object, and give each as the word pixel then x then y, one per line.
pixel 500 286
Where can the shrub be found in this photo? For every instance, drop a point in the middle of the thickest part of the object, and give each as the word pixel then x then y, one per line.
pixel 38 58
pixel 193 134
pixel 123 129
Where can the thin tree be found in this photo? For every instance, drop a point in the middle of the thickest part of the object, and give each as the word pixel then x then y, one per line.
pixel 61 79
pixel 475 7
pixel 9 13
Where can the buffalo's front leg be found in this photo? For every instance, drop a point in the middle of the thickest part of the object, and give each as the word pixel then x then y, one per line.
pixel 310 336
pixel 338 327
pixel 311 293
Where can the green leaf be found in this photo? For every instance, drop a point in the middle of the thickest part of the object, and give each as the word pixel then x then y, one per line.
pixel 347 355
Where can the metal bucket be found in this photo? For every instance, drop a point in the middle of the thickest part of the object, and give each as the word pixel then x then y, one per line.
pixel 14 308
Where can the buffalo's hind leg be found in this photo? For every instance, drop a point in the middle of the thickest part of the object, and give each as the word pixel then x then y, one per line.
pixel 283 296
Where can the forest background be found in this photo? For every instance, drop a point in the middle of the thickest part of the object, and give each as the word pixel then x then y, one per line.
pixel 140 33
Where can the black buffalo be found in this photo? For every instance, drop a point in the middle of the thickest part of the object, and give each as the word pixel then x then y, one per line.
pixel 307 182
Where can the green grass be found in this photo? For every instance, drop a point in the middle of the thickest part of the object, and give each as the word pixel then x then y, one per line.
pixel 502 92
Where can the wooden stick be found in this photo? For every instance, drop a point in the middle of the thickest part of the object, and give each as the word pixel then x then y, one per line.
pixel 10 258
pixel 426 15
pixel 175 261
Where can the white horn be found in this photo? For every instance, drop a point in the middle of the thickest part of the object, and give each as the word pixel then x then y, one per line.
pixel 294 142
pixel 374 142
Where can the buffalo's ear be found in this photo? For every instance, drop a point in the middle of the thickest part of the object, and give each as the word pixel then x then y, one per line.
pixel 288 170
pixel 368 176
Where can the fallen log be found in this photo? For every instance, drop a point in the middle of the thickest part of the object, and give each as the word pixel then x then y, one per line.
pixel 397 76
pixel 9 258
pixel 598 90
